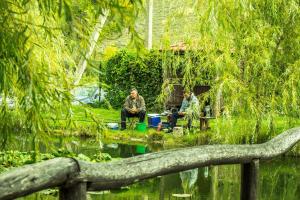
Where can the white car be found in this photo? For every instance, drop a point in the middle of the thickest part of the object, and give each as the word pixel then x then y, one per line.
pixel 87 95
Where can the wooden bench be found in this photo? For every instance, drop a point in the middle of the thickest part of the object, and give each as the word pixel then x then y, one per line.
pixel 203 122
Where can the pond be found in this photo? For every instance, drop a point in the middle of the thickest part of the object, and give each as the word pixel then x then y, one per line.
pixel 279 178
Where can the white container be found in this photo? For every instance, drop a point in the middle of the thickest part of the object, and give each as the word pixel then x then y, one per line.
pixel 113 126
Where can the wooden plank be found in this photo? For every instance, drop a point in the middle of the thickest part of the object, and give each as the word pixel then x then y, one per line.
pixel 35 177
pixel 73 192
pixel 249 180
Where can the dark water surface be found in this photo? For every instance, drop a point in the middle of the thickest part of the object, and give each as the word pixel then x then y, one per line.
pixel 279 178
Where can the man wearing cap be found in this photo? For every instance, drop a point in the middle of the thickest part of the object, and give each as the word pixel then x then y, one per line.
pixel 189 108
pixel 134 106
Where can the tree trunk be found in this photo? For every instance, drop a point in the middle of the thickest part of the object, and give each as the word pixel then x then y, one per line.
pixel 92 43
pixel 149 23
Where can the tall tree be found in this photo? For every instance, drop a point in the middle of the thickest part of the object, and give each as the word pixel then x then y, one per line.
pixel 37 40
pixel 250 49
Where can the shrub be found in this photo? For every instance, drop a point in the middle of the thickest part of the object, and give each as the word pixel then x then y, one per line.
pixel 126 70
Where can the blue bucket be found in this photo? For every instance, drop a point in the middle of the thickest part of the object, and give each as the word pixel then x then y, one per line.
pixel 153 121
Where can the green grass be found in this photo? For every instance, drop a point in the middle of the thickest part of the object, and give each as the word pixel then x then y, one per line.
pixel 92 121
pixel 86 113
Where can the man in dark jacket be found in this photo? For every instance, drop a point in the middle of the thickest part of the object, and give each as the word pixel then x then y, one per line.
pixel 134 106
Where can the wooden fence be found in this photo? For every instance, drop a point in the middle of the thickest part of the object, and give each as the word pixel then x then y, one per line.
pixel 74 177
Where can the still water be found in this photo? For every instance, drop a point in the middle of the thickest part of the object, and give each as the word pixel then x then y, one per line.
pixel 279 178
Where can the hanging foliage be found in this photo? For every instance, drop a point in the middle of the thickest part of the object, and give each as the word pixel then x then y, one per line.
pixel 251 48
pixel 40 43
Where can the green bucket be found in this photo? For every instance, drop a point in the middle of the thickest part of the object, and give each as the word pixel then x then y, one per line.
pixel 141 127
pixel 140 149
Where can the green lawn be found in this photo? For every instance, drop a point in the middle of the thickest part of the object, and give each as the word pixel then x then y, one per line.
pixel 86 113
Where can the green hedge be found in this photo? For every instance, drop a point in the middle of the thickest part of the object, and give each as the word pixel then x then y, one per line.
pixel 126 70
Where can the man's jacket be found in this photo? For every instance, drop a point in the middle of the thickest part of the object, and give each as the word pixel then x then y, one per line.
pixel 139 103
pixel 191 106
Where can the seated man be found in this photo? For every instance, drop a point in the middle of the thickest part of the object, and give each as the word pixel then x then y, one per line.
pixel 189 107
pixel 134 106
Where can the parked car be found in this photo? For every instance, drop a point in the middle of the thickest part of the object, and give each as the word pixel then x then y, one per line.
pixel 88 94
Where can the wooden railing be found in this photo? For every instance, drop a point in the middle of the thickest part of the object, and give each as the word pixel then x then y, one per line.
pixel 75 177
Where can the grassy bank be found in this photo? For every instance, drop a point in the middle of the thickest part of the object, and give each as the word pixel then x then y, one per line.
pixel 90 121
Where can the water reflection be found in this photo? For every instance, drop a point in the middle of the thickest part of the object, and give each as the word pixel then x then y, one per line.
pixel 124 150
pixel 188 180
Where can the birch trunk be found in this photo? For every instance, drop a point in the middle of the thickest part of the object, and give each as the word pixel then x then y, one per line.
pixel 92 43
pixel 149 24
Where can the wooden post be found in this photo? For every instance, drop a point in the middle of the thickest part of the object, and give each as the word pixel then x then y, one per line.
pixel 249 180
pixel 162 188
pixel 74 192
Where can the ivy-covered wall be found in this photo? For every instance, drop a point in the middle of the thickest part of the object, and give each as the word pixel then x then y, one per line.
pixel 126 70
